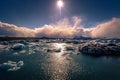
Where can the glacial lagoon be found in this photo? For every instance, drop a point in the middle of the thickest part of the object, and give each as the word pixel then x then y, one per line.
pixel 56 60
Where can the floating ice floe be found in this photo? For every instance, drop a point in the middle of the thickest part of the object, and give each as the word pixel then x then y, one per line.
pixel 25 42
pixel 23 51
pixel 65 54
pixel 11 66
pixel 15 53
pixel 99 48
pixel 5 42
pixel 18 46
pixel 32 44
pixel 2 46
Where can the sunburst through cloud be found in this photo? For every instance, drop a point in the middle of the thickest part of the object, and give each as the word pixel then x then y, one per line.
pixel 59 39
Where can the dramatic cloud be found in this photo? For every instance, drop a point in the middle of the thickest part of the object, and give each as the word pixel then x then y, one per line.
pixel 65 29
pixel 13 30
pixel 61 29
pixel 109 29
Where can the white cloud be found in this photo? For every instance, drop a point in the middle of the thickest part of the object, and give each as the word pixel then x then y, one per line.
pixel 65 29
pixel 62 28
pixel 109 29
pixel 13 30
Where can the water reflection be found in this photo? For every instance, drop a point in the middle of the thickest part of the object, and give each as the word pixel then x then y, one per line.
pixel 57 66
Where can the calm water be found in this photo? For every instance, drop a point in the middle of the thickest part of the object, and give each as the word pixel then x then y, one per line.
pixel 64 65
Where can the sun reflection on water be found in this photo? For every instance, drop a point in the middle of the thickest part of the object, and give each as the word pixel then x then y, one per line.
pixel 59 66
pixel 61 47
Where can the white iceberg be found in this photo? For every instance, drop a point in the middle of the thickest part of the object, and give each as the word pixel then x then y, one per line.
pixel 18 46
pixel 11 65
pixel 2 46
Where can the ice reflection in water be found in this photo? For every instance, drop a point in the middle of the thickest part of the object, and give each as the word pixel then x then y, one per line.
pixel 57 66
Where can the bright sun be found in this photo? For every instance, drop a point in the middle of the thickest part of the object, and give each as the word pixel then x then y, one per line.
pixel 60 3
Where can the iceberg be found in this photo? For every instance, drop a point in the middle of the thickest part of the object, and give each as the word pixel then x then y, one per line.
pixel 3 46
pixel 11 66
pixel 98 48
pixel 18 46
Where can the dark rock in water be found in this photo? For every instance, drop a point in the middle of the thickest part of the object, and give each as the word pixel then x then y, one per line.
pixel 111 44
pixel 58 50
pixel 49 50
pixel 70 48
pixel 54 50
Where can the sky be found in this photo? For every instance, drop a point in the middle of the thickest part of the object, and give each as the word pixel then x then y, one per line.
pixel 34 13
pixel 39 18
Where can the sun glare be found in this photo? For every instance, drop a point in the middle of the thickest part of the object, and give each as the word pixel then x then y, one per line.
pixel 60 3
